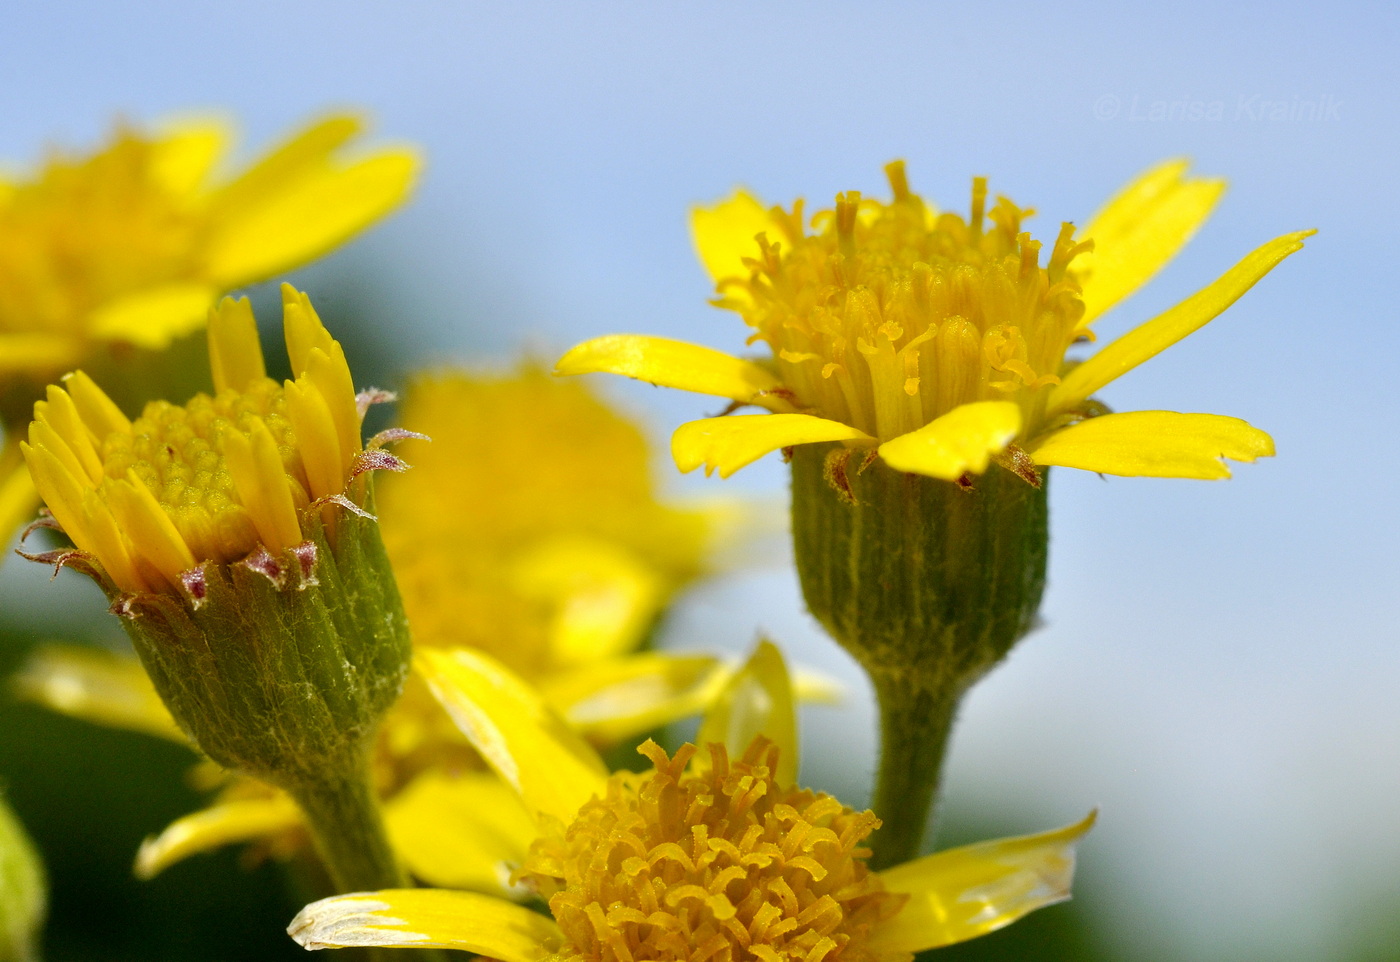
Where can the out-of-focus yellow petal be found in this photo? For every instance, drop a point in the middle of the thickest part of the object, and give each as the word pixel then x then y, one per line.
pixel 1149 339
pixel 96 686
pixel 724 234
pixel 1154 444
pixel 18 499
pixel 235 352
pixel 1140 229
pixel 154 316
pixel 678 364
pixel 966 892
pixel 301 155
pixel 542 758
pixel 961 441
pixel 29 352
pixel 309 218
pixel 614 699
pixel 427 919
pixel 729 443
pixel 183 157
pixel 223 823
pixel 464 832
pixel 757 700
pixel 603 597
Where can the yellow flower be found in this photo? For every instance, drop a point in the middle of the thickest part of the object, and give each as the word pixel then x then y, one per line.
pixel 213 480
pixel 131 246
pixel 939 343
pixel 530 528
pixel 713 854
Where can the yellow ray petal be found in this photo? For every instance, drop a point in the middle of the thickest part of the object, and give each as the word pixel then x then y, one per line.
pixel 757 700
pixel 1154 444
pixel 235 352
pixel 427 918
pixel 966 892
pixel 961 441
pixel 724 234
pixel 18 499
pixel 301 155
pixel 186 153
pixel 99 412
pixel 1149 339
pixel 96 686
pixel 313 216
pixel 61 490
pixel 153 535
pixel 464 832
pixel 1140 229
pixel 37 352
pixel 613 699
pixel 677 364
pixel 729 443
pixel 518 735
pixel 262 485
pixel 154 316
pixel 223 823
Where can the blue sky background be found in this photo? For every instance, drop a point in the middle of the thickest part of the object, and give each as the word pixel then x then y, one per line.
pixel 1220 666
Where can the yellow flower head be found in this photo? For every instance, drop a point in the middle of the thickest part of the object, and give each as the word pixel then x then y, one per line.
pixel 213 480
pixel 531 527
pixel 940 341
pixel 133 243
pixel 712 854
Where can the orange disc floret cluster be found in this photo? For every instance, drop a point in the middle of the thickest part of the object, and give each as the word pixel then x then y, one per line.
pixel 891 315
pixel 717 864
pixel 210 480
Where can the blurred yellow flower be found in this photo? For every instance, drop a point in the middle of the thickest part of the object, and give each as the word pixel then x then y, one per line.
pixel 132 245
pixel 713 854
pixel 938 342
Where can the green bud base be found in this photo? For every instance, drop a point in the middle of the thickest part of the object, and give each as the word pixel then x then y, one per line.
pixel 928 586
pixel 283 671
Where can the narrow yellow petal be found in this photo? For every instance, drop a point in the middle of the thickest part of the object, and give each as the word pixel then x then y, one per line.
pixel 61 414
pixel 610 700
pixel 724 233
pixel 263 488
pixel 518 735
pixel 98 411
pixel 96 686
pixel 223 823
pixel 302 329
pixel 44 435
pixel 305 152
pixel 328 370
pixel 686 367
pixel 235 352
pixel 186 153
pixel 756 701
pixel 310 218
pixel 111 545
pixel 1140 229
pixel 61 490
pixel 959 442
pixel 427 919
pixel 468 831
pixel 966 892
pixel 316 439
pixel 1149 339
pixel 729 443
pixel 154 316
pixel 153 535
pixel 1154 444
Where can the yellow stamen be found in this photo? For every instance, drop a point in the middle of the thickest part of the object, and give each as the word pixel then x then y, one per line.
pixel 721 863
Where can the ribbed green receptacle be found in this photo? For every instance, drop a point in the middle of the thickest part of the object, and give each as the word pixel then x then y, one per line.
pixel 928 586
pixel 283 672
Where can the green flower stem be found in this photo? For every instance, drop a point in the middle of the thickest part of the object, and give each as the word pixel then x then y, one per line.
pixel 927 586
pixel 346 824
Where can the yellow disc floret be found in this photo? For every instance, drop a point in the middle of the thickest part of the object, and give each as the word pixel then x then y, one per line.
pixel 891 315
pixel 211 480
pixel 717 864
